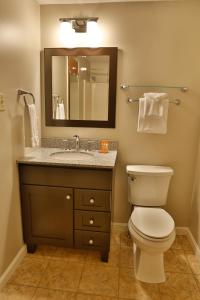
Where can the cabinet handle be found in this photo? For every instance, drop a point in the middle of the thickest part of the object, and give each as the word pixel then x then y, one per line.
pixel 92 200
pixel 91 242
pixel 68 197
pixel 91 221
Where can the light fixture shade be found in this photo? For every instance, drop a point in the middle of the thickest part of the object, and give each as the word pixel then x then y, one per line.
pixel 94 36
pixel 80 32
pixel 79 24
pixel 66 28
pixel 66 32
pixel 92 27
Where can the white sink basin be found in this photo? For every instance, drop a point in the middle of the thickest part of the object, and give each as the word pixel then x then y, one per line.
pixel 72 155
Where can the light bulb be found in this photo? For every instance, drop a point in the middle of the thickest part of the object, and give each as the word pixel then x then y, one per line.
pixel 93 33
pixel 92 27
pixel 66 33
pixel 70 38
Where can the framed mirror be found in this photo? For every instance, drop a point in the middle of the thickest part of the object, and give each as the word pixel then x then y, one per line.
pixel 80 86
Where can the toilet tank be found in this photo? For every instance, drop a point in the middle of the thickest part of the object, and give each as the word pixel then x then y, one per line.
pixel 148 185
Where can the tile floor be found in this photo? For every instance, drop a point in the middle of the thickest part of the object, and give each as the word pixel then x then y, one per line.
pixel 58 274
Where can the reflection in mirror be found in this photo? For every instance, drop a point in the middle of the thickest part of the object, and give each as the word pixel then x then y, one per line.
pixel 80 87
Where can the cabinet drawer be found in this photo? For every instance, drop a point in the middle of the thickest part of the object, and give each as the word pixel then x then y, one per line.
pixel 66 177
pixel 92 220
pixel 92 200
pixel 91 240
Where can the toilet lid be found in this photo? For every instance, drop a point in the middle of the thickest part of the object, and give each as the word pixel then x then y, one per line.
pixel 152 222
pixel 149 170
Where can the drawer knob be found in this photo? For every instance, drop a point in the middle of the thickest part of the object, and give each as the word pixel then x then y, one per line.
pixel 91 242
pixel 91 221
pixel 92 200
pixel 68 197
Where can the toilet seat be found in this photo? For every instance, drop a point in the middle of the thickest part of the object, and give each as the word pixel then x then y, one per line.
pixel 148 238
pixel 152 223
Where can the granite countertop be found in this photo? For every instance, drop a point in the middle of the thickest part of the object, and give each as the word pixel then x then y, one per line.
pixel 42 156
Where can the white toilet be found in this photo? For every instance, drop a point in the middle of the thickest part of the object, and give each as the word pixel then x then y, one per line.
pixel 151 228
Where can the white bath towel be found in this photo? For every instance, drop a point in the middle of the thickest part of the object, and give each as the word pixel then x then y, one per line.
pixel 153 113
pixel 60 111
pixel 34 125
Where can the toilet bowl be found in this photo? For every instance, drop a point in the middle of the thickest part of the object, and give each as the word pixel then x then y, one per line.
pixel 152 230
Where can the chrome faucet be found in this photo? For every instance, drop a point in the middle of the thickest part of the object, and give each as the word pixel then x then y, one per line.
pixel 77 140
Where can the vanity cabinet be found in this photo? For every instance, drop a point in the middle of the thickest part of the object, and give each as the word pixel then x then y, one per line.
pixel 66 206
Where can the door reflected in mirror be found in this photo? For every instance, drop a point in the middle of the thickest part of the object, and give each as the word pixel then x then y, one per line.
pixel 80 87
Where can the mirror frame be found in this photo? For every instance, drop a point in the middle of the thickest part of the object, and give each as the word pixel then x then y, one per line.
pixel 109 51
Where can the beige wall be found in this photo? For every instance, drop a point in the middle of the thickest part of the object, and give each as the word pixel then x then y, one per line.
pixel 19 68
pixel 158 43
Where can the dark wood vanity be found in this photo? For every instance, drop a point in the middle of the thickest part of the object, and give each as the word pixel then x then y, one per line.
pixel 66 206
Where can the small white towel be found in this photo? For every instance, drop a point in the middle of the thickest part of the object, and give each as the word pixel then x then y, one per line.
pixel 33 125
pixel 60 111
pixel 153 113
pixel 154 103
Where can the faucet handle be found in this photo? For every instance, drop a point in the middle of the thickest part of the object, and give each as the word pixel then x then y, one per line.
pixel 66 141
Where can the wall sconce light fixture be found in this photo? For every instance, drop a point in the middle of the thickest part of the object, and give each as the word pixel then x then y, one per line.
pixel 79 24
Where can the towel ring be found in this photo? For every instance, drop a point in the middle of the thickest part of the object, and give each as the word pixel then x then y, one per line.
pixel 23 93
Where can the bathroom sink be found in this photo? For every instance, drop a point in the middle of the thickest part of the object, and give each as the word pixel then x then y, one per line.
pixel 72 155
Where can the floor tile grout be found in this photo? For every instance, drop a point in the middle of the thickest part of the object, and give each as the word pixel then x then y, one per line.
pixel 80 277
pixel 119 282
pixel 34 293
pixel 48 262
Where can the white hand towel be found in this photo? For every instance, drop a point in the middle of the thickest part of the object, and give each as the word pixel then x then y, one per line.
pixel 60 111
pixel 33 125
pixel 155 103
pixel 153 114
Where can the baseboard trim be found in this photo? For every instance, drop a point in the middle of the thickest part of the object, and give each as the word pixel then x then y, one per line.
pixel 182 230
pixel 179 231
pixel 12 266
pixel 186 231
pixel 124 226
pixel 119 226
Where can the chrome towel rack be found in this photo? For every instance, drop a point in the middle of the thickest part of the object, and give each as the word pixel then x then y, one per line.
pixel 24 93
pixel 125 86
pixel 175 101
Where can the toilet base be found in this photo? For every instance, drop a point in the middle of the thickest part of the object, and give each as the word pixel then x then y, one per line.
pixel 149 267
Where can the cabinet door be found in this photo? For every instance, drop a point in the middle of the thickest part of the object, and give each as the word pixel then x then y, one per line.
pixel 47 214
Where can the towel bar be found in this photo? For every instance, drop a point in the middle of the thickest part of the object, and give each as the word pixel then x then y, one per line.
pixel 175 101
pixel 126 86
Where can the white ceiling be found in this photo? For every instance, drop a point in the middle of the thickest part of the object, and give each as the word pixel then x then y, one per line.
pixel 91 1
